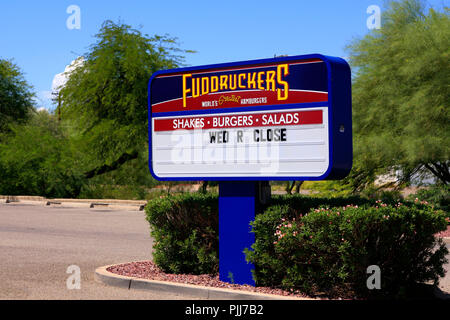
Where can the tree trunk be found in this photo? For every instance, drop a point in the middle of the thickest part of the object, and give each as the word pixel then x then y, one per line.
pixel 289 187
pixel 297 188
pixel 125 157
pixel 203 187
pixel 441 171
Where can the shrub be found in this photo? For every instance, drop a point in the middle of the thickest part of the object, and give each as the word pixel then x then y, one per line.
pixel 303 204
pixel 437 195
pixel 330 248
pixel 185 230
pixel 308 244
pixel 269 268
pixel 387 196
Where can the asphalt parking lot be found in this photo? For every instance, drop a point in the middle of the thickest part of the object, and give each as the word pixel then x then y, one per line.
pixel 38 243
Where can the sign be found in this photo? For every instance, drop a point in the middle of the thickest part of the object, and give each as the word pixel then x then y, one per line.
pixel 286 118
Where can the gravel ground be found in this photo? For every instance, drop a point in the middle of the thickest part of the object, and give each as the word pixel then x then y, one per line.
pixel 148 270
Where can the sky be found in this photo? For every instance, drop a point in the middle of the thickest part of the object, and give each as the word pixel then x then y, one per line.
pixel 36 35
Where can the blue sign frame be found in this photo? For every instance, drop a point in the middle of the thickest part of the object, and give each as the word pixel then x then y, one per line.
pixel 339 115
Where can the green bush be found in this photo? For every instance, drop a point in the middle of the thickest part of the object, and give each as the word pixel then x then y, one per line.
pixel 302 204
pixel 437 195
pixel 307 243
pixel 387 196
pixel 329 249
pixel 185 229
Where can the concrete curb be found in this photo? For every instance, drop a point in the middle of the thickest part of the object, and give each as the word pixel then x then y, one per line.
pixel 9 199
pixel 112 279
pixel 89 203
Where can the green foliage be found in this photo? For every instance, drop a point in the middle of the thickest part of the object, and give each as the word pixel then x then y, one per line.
pixel 16 97
pixel 329 249
pixel 105 98
pixel 37 158
pixel 437 195
pixel 268 271
pixel 130 181
pixel 309 244
pixel 100 147
pixel 400 94
pixel 185 230
pixel 328 188
pixel 387 196
pixel 301 204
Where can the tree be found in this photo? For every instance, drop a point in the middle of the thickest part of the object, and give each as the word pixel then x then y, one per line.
pixel 37 158
pixel 105 98
pixel 16 96
pixel 401 94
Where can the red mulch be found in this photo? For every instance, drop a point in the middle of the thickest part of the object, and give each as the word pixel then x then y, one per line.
pixel 148 270
pixel 445 233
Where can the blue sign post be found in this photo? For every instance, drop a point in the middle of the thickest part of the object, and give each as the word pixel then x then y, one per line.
pixel 237 206
pixel 287 118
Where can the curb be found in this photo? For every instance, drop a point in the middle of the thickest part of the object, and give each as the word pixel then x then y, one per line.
pixel 89 203
pixel 209 293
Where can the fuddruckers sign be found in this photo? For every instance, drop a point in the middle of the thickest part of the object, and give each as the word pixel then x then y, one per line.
pixel 285 118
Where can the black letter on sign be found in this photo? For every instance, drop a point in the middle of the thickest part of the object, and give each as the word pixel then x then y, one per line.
pixel 212 137
pixel 283 135
pixel 255 135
